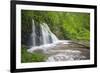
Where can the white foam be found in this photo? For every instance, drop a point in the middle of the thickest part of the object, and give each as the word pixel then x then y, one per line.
pixel 68 55
pixel 46 47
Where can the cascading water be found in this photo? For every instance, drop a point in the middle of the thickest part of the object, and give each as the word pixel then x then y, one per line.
pixel 33 33
pixel 48 36
pixel 45 37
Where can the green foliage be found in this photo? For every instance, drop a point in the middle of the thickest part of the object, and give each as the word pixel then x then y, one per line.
pixel 65 25
pixel 77 25
pixel 31 57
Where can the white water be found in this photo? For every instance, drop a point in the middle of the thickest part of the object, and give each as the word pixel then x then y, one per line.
pixel 33 33
pixel 46 37
pixel 46 33
pixel 66 55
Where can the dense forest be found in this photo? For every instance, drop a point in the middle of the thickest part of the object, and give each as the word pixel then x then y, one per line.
pixel 65 25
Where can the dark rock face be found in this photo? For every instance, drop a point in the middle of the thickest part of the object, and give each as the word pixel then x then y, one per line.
pixel 38 34
pixel 41 34
pixel 36 37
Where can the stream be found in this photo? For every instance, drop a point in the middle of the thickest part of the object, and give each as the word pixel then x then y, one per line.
pixel 62 51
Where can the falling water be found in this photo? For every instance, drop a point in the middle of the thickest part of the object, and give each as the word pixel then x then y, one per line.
pixel 33 33
pixel 46 36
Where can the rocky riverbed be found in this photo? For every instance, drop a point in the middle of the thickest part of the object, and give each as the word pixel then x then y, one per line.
pixel 63 51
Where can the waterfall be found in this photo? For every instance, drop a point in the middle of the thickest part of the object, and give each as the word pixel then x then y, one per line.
pixel 33 33
pixel 44 36
pixel 48 36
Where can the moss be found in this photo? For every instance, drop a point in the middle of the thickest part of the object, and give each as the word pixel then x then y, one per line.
pixel 31 57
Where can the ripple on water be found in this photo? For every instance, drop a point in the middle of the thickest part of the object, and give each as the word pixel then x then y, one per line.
pixel 69 55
